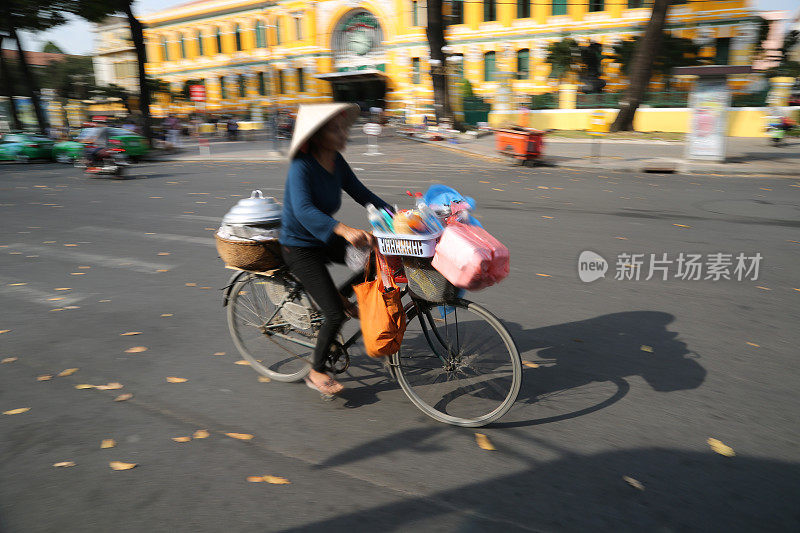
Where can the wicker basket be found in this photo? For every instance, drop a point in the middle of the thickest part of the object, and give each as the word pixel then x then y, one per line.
pixel 250 255
pixel 425 282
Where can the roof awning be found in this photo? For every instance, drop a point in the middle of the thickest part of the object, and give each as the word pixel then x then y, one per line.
pixel 351 75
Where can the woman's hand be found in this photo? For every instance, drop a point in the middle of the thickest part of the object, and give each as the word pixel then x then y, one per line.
pixel 357 237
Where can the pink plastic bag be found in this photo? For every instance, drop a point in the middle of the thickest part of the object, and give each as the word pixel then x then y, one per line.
pixel 470 258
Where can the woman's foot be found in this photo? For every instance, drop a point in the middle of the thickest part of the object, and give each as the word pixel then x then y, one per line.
pixel 323 383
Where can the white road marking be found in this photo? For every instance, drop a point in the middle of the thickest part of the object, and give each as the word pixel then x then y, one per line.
pixel 37 296
pixel 126 263
pixel 158 236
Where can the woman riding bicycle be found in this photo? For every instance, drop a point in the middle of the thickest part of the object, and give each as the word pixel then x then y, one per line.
pixel 310 237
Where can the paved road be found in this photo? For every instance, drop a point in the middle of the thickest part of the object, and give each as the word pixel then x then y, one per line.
pixel 634 376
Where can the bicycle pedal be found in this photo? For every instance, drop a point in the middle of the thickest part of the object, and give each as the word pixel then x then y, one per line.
pixel 327 397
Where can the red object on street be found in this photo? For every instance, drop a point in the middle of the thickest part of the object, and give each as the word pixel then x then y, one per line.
pixel 523 144
pixel 197 93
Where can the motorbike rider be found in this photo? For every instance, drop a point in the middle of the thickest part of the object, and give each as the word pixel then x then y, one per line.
pixel 96 142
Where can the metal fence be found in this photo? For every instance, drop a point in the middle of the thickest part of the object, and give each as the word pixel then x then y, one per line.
pixel 544 101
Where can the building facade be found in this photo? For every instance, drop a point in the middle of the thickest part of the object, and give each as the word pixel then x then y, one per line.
pixel 256 52
pixel 114 57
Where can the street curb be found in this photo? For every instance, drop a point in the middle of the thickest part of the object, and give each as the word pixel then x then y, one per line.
pixel 681 167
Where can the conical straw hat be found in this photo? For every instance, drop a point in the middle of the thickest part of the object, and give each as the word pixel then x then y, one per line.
pixel 311 117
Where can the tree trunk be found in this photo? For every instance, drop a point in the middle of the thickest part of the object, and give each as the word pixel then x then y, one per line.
pixel 144 91
pixel 435 32
pixel 642 67
pixel 31 87
pixel 8 90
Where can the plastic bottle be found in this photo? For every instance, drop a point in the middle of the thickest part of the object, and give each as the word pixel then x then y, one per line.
pixel 376 220
pixel 427 214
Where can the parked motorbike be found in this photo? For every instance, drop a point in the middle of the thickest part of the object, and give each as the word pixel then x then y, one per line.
pixel 110 160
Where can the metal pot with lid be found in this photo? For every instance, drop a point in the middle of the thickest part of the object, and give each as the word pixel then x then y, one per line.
pixel 256 210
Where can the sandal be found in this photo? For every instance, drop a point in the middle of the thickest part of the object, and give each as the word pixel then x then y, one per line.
pixel 325 390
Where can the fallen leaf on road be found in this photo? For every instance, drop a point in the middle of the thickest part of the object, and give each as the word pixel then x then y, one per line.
pixel 136 349
pixel 4 330
pixel 84 266
pixel 255 479
pixel 167 314
pixel 67 372
pixel 646 348
pixel 219 353
pixel 44 377
pixel 544 275
pixel 111 386
pixel 70 245
pixel 107 443
pixel 63 289
pixel 763 288
pixel 162 270
pixel 172 379
pixel 753 344
pixel 621 238
pixel 84 386
pixel 633 482
pixel 8 360
pixel 181 439
pixel 264 379
pixel 242 362
pixel 129 333
pixel 55 299
pixel 17 411
pixel 682 225
pixel 123 397
pixel 77 273
pixel 275 480
pixel 64 464
pixel 191 284
pixel 118 465
pixel 163 253
pixel 529 364
pixel 483 442
pixel 721 448
pixel 205 288
pixel 240 436
pixel 201 434
pixel 16 284
pixel 546 217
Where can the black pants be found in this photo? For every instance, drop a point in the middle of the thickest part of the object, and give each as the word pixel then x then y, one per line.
pixel 309 266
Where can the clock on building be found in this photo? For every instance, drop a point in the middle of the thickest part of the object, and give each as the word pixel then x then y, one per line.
pixel 357 34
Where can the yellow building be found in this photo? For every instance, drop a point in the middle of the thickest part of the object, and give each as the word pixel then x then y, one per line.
pixel 257 53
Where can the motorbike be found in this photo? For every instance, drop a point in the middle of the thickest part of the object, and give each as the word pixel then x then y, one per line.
pixel 110 160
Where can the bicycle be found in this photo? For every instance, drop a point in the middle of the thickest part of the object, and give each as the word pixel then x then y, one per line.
pixel 461 372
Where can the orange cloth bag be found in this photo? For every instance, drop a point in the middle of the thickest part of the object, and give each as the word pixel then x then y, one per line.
pixel 380 311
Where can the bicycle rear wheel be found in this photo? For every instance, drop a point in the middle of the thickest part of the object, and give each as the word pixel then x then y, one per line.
pixel 462 368
pixel 267 340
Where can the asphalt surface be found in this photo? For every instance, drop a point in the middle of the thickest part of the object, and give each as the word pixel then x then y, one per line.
pixel 634 377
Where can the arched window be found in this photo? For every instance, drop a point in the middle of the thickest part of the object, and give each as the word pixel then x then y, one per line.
pixel 200 43
pixel 218 38
pixel 523 64
pixel 261 36
pixel 237 34
pixel 182 46
pixel 164 49
pixel 488 66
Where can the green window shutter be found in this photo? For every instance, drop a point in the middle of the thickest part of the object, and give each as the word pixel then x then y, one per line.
pixel 222 93
pixel 596 5
pixel 301 82
pixel 182 46
pixel 489 10
pixel 164 49
pixel 219 41
pixel 559 7
pixel 415 71
pixel 523 64
pixel 488 66
pixel 200 43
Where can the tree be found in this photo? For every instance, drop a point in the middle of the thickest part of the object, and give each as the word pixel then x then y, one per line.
pixel 51 48
pixel 72 77
pixel 436 41
pixel 96 11
pixel 8 88
pixel 786 67
pixel 564 57
pixel 642 67
pixel 675 52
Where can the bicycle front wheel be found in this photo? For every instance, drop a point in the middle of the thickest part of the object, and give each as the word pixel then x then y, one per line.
pixel 458 363
pixel 266 339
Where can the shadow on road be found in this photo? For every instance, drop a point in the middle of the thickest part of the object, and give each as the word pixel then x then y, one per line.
pixel 683 491
pixel 583 364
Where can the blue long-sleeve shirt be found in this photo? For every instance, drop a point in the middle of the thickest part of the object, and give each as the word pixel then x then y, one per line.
pixel 312 195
